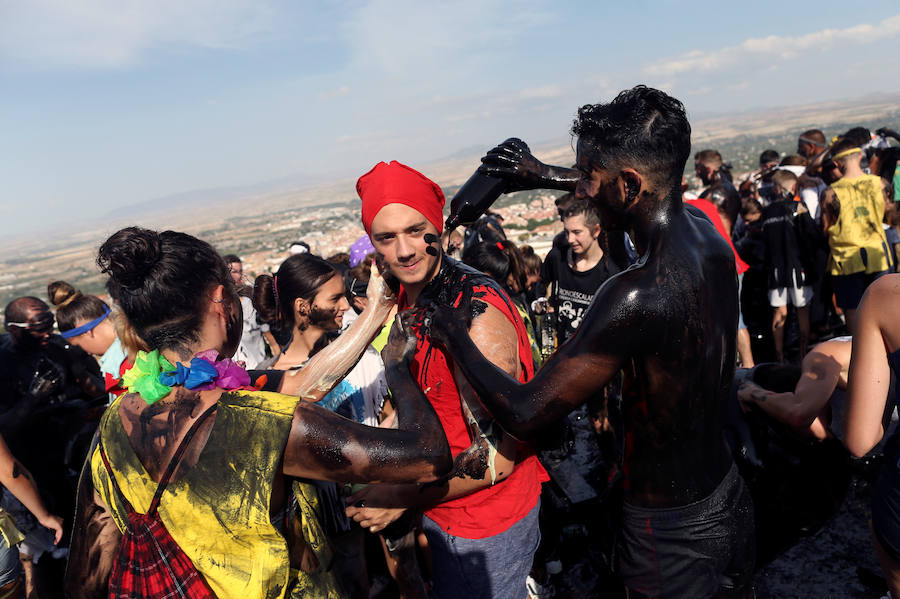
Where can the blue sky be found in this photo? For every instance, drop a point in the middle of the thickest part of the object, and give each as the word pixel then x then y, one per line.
pixel 105 103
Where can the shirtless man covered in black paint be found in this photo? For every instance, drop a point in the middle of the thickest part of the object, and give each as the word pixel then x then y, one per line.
pixel 669 323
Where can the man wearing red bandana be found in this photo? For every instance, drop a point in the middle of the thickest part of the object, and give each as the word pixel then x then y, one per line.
pixel 481 522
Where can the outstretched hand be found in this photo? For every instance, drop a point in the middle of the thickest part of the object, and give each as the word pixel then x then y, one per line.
pixel 442 322
pixel 402 340
pixel 378 292
pixel 512 160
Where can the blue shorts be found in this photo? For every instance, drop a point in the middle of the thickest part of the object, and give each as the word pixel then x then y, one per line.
pixel 490 568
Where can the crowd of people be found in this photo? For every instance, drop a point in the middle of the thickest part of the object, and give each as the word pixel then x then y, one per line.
pixel 436 413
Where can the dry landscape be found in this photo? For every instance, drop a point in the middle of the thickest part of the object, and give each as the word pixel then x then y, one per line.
pixel 258 223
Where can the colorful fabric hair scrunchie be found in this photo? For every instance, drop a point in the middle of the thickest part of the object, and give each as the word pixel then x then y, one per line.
pixel 152 376
pixel 143 377
pixel 229 375
pixel 200 372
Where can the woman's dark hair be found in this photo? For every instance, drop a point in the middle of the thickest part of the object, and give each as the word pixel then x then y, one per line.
pixel 858 136
pixel 300 276
pixel 888 158
pixel 356 280
pixel 161 281
pixel 499 261
pixel 768 156
pixel 59 292
pixel 79 307
pixel 531 260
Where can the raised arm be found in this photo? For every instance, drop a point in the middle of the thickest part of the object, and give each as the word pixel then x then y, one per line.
pixel 513 161
pixel 877 333
pixel 328 367
pixel 886 132
pixel 578 370
pixel 326 446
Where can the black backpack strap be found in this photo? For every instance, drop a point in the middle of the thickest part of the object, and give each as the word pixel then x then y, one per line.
pixel 173 463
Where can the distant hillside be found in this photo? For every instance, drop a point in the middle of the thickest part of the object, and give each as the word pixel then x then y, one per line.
pixel 26 264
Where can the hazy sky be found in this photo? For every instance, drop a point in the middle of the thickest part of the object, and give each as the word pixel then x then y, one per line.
pixel 105 103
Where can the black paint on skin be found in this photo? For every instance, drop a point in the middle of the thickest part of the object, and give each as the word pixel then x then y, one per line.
pixel 325 448
pixel 456 281
pixel 17 470
pixel 152 431
pixel 430 238
pixel 512 161
pixel 349 452
pixel 669 322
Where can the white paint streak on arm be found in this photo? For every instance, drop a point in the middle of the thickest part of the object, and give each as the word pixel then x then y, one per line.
pixel 331 365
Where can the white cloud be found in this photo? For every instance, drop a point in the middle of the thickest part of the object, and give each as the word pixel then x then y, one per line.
pixel 544 92
pixel 103 34
pixel 330 94
pixel 774 47
pixel 410 38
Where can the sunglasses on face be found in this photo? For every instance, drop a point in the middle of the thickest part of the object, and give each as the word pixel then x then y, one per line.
pixel 42 324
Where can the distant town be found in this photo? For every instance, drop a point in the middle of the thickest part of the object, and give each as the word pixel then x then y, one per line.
pixel 261 227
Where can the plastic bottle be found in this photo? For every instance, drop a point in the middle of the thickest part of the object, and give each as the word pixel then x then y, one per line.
pixel 548 334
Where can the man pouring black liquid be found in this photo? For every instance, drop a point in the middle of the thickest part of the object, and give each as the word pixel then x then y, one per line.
pixel 668 323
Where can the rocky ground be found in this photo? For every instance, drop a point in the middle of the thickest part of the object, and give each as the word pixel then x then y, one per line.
pixel 837 561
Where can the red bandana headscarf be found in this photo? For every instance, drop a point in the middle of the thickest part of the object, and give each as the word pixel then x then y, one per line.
pixel 396 183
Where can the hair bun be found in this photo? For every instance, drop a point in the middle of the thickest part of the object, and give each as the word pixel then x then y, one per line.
pixel 61 293
pixel 61 298
pixel 129 256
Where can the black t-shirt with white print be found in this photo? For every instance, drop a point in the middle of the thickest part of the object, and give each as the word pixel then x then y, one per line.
pixel 572 291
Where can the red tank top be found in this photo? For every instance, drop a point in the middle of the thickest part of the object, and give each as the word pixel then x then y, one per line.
pixel 492 510
pixel 712 212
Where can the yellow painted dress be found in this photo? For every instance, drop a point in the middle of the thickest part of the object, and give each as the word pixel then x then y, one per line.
pixel 218 513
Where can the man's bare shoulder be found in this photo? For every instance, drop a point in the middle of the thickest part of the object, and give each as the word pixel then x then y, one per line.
pixel 495 335
pixel 627 297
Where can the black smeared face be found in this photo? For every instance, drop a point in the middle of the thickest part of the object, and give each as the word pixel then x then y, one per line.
pixel 600 186
pixel 39 327
pixel 329 305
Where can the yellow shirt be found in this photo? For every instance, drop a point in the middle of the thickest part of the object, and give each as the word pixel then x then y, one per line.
pixel 218 513
pixel 857 239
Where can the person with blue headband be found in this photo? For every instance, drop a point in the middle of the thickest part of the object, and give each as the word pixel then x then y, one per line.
pixel 86 321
